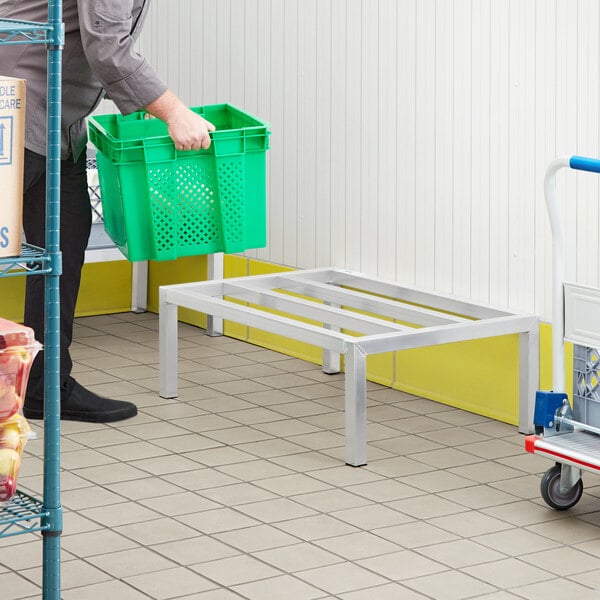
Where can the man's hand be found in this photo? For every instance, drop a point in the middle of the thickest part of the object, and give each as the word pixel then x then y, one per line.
pixel 188 130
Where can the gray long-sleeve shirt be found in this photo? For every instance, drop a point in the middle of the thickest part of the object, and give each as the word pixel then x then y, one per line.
pixel 99 55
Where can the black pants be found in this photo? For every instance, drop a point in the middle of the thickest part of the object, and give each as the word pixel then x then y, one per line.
pixel 75 226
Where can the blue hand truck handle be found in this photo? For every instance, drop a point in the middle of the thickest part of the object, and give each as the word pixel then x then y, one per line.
pixel 581 163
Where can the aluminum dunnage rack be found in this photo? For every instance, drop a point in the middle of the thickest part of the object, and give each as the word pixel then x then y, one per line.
pixel 338 301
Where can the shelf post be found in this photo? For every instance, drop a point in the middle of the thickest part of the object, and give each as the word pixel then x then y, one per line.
pixel 53 522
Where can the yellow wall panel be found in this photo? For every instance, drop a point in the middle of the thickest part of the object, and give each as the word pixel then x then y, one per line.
pixel 479 375
pixel 182 270
pixel 380 368
pixel 12 293
pixel 105 288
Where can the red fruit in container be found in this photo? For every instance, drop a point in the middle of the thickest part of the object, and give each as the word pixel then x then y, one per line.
pixel 10 401
pixel 10 461
pixel 10 435
pixel 18 348
pixel 13 334
pixel 14 434
pixel 8 487
pixel 17 361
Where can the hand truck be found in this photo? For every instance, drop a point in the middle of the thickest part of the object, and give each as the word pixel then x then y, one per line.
pixel 573 445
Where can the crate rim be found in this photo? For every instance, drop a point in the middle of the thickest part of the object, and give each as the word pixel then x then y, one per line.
pixel 261 127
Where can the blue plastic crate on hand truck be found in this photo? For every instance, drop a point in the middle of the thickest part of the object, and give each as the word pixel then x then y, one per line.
pixel 568 433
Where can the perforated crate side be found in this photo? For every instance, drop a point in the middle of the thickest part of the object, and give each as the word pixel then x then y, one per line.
pixel 586 385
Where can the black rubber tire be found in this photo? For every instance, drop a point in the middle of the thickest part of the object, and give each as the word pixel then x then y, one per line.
pixel 553 497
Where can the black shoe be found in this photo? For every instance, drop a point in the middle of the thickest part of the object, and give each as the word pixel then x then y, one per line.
pixel 79 404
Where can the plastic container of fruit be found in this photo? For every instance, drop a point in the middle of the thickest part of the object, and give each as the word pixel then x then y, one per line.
pixel 18 348
pixel 14 434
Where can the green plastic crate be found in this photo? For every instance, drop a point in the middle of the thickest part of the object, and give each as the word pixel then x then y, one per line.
pixel 159 203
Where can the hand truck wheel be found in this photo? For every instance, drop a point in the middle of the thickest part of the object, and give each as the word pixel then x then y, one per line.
pixel 551 493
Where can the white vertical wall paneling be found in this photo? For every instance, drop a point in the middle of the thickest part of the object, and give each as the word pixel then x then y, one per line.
pixel 406 141
pixel 409 137
pixel 183 43
pixel 340 136
pixel 369 143
pixel 441 161
pixel 204 68
pixel 593 267
pixel 569 118
pixel 171 58
pixel 518 51
pixel 531 185
pixel 308 151
pixel 587 212
pixel 276 116
pixel 387 127
pixel 546 55
pixel 499 151
pixel 480 153
pixel 183 46
pixel 249 62
pixel 354 140
pixel 223 50
pixel 290 133
pixel 237 63
pixel 263 58
pixel 424 151
pixel 562 141
pixel 156 47
pixel 462 121
pixel 321 146
pixel 583 84
pixel 593 275
pixel 263 94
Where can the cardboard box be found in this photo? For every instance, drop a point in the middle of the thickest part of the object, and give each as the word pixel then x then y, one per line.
pixel 12 144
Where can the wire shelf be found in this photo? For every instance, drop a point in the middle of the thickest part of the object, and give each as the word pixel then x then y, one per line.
pixel 23 514
pixel 32 260
pixel 23 32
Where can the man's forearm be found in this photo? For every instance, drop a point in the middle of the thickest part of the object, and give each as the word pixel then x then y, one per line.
pixel 166 107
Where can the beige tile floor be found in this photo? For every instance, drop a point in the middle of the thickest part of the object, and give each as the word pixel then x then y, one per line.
pixel 238 489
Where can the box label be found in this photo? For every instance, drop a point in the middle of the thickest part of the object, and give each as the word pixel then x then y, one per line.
pixel 12 148
pixel 6 141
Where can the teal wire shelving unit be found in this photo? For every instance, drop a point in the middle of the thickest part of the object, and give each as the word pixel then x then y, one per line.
pixel 25 514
